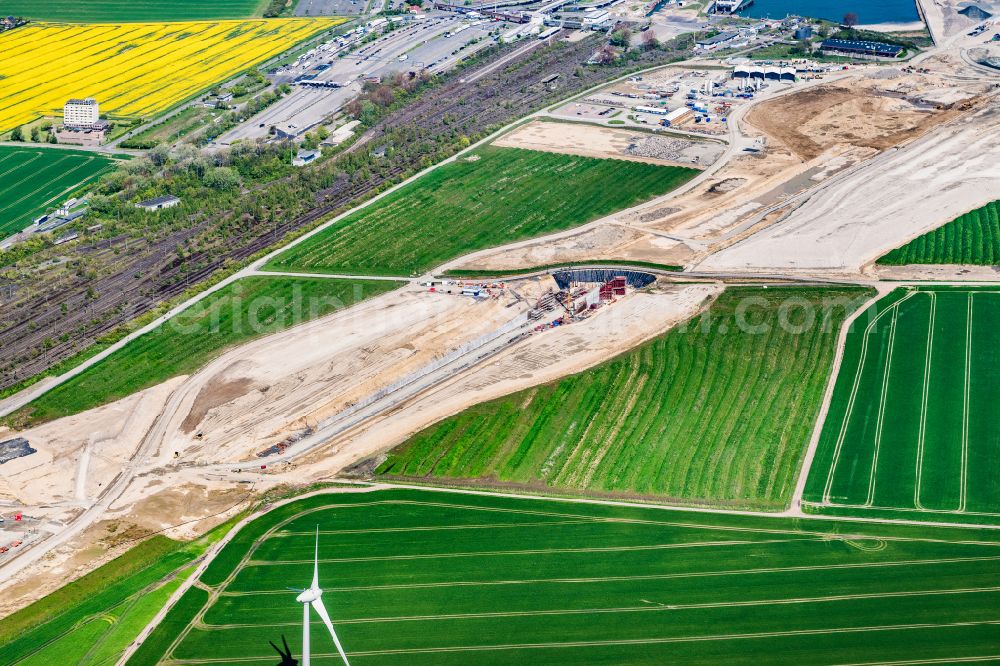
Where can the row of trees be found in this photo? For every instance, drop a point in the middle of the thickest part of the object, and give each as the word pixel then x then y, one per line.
pixel 17 134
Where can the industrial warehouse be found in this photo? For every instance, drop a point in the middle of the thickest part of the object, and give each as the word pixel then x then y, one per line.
pixel 861 49
pixel 752 71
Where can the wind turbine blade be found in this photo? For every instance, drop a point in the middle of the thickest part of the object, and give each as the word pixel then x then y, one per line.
pixel 321 610
pixel 305 634
pixel 316 562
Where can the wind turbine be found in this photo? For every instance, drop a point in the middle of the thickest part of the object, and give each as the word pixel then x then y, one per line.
pixel 313 596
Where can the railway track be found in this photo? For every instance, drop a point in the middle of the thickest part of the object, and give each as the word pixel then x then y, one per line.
pixel 62 318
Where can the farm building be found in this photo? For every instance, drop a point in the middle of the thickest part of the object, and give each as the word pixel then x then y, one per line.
pixel 861 49
pixel 76 136
pixel 159 203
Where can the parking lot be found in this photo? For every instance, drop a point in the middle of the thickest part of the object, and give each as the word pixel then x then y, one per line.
pixel 435 43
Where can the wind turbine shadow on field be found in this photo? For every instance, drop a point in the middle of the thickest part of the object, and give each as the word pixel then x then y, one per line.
pixel 286 654
pixel 313 596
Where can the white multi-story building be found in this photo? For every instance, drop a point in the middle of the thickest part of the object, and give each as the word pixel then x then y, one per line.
pixel 82 113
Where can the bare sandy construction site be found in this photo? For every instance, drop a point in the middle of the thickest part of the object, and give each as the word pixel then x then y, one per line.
pixel 887 202
pixel 608 142
pixel 863 112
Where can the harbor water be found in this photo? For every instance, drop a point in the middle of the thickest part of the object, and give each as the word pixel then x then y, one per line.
pixel 868 11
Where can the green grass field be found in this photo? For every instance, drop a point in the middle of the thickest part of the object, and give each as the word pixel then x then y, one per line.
pixel 913 426
pixel 507 195
pixel 708 413
pixel 973 238
pixel 239 312
pixel 33 178
pixel 117 11
pixel 92 620
pixel 421 577
pixel 187 121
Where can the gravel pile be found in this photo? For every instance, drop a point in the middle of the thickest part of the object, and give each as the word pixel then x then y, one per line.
pixel 660 148
pixel 887 73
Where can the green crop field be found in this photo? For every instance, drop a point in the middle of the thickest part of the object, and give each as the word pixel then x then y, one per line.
pixel 973 238
pixel 239 312
pixel 709 413
pixel 92 620
pixel 33 178
pixel 422 577
pixel 506 195
pixel 117 11
pixel 913 426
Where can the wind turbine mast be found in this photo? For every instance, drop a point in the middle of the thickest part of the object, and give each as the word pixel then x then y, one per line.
pixel 313 596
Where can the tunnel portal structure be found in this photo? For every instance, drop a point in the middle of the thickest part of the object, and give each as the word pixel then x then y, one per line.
pixel 635 279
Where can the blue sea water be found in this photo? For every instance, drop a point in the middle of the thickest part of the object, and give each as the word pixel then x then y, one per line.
pixel 868 11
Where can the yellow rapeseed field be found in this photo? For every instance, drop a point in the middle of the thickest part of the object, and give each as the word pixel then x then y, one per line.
pixel 132 69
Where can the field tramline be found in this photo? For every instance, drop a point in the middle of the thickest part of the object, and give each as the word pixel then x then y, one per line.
pixel 912 426
pixel 422 577
pixel 32 178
